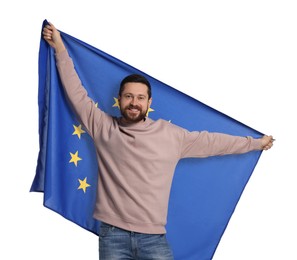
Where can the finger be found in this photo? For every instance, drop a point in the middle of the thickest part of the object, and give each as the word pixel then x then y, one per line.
pixel 47 36
pixel 47 33
pixel 269 146
pixel 51 26
pixel 47 28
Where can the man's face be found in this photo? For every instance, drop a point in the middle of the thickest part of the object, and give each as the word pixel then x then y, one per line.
pixel 134 102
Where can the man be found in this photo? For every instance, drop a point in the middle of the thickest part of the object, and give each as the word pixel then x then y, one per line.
pixel 137 158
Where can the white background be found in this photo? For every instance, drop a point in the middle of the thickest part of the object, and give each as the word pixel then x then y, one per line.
pixel 237 56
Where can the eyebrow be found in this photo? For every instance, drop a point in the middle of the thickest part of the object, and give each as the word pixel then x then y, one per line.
pixel 128 93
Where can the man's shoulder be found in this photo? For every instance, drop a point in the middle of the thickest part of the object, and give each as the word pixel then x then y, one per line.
pixel 167 124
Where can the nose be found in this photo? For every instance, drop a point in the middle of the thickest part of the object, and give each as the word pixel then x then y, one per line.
pixel 133 101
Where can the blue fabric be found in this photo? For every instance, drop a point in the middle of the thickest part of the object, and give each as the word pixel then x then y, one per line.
pixel 204 192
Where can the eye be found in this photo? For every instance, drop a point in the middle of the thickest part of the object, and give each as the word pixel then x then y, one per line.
pixel 128 96
pixel 141 98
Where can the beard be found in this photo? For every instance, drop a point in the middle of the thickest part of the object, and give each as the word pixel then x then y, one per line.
pixel 133 114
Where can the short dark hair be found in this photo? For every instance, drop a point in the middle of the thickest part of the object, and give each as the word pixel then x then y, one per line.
pixel 136 78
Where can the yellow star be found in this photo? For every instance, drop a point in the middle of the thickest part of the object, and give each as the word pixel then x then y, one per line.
pixel 96 104
pixel 78 131
pixel 83 184
pixel 74 158
pixel 116 102
pixel 149 110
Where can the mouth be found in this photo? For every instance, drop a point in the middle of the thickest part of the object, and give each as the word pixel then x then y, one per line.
pixel 133 110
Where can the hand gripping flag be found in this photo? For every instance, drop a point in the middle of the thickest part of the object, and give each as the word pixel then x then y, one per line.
pixel 204 192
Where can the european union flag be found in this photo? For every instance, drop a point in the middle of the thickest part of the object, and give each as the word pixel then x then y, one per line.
pixel 204 191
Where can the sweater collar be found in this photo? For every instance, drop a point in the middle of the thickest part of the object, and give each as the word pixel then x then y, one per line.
pixel 137 125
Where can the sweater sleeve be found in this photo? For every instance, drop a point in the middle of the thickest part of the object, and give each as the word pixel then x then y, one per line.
pixel 83 106
pixel 205 144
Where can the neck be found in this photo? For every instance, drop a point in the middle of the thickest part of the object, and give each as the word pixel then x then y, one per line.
pixel 129 122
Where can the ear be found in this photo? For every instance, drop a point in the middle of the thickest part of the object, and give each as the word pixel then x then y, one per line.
pixel 150 101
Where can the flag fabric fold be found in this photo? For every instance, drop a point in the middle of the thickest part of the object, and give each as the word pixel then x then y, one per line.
pixel 204 191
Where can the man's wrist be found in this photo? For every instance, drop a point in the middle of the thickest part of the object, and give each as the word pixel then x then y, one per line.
pixel 59 48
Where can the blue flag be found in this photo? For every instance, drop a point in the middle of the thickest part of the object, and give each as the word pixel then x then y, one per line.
pixel 204 191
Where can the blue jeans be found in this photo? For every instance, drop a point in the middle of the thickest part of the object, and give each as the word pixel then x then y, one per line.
pixel 119 244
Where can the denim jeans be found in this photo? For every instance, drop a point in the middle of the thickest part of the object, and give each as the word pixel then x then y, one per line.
pixel 119 244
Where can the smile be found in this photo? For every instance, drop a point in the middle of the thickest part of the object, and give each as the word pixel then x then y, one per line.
pixel 134 110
